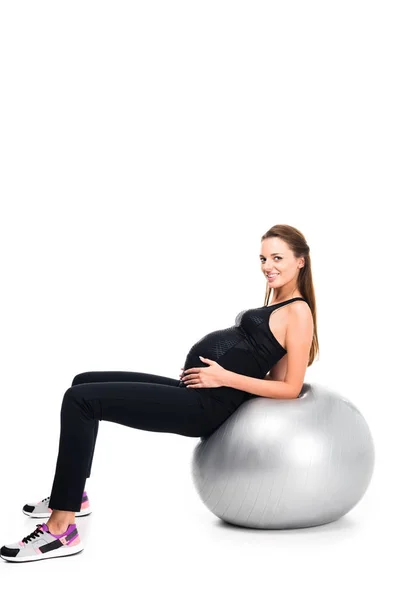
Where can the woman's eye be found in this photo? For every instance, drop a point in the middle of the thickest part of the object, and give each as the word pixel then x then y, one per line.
pixel 280 257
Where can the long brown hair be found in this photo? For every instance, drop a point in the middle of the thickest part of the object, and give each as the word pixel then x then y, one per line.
pixel 297 243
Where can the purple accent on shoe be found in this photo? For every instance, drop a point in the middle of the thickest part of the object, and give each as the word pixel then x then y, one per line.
pixel 70 529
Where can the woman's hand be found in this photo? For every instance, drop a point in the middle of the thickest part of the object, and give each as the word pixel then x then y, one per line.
pixel 207 377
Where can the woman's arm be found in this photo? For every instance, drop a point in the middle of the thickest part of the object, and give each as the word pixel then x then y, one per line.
pixel 278 371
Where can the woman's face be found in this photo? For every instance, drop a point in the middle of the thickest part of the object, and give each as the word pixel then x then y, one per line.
pixel 278 263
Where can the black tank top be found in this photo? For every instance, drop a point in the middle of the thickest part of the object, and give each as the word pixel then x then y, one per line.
pixel 248 348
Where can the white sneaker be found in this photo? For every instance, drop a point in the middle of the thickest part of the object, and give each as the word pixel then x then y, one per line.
pixel 41 509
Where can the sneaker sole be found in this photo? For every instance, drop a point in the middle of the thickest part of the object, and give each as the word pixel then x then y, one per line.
pixel 82 513
pixel 52 554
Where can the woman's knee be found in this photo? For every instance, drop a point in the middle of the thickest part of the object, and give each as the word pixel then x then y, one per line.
pixel 79 401
pixel 81 378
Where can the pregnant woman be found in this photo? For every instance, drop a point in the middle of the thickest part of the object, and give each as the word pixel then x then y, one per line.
pixel 266 353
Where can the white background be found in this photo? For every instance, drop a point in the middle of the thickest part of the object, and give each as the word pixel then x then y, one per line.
pixel 145 149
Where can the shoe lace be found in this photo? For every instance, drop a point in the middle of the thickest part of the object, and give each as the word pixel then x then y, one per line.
pixel 45 499
pixel 33 535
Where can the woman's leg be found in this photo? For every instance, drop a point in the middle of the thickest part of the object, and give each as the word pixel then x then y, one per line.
pixel 147 406
pixel 99 376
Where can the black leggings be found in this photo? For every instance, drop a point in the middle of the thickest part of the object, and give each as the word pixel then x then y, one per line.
pixel 139 400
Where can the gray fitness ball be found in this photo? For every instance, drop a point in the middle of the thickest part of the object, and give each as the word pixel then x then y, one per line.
pixel 283 464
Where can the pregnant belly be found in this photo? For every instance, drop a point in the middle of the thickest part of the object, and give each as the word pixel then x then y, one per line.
pixel 236 360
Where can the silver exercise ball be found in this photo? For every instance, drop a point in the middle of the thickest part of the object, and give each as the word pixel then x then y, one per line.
pixel 283 464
